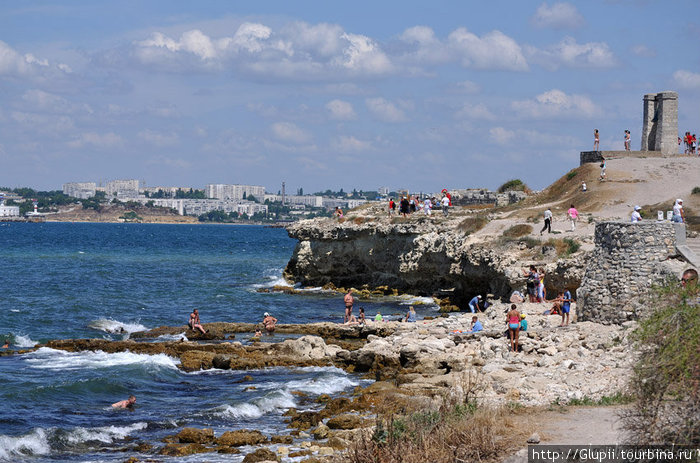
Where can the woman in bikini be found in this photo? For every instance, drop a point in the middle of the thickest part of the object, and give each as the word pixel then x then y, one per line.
pixel 596 140
pixel 513 322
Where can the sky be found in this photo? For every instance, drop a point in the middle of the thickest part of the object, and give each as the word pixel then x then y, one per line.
pixel 323 94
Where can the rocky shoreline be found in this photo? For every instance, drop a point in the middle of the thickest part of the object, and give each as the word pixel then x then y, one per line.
pixel 423 362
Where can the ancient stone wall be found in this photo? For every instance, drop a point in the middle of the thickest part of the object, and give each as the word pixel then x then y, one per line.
pixel 628 259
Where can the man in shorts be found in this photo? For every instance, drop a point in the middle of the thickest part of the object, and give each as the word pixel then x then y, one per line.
pixel 349 300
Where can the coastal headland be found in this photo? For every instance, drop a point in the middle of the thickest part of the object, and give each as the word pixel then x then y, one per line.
pixel 482 250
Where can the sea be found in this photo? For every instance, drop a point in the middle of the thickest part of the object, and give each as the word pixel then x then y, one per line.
pixel 106 281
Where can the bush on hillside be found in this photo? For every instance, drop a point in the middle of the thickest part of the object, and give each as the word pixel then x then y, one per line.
pixel 666 378
pixel 472 224
pixel 564 247
pixel 517 231
pixel 515 184
pixel 572 173
pixel 696 190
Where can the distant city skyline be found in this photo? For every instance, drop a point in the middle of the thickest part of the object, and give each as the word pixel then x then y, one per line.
pixel 327 95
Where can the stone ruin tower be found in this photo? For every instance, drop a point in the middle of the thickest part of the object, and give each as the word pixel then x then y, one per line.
pixel 660 126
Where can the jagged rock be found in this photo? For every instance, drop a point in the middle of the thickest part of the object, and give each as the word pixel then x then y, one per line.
pixel 282 440
pixel 534 439
pixel 305 420
pixel 225 449
pixel 181 450
pixel 337 443
pixel 195 436
pixel 346 421
pixel 222 362
pixel 241 437
pixel 321 432
pixel 261 455
pixel 196 360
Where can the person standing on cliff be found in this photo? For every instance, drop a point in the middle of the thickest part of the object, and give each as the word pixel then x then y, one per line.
pixel 392 206
pixel 596 140
pixel 678 214
pixel 513 322
pixel 547 222
pixel 445 202
pixel 403 208
pixel 349 300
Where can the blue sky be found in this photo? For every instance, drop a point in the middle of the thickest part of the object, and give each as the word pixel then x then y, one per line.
pixel 319 94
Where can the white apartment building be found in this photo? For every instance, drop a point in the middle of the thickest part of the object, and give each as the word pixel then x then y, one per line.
pixel 332 203
pixel 306 200
pixel 383 190
pixel 222 191
pixel 82 190
pixel 202 206
pixel 122 188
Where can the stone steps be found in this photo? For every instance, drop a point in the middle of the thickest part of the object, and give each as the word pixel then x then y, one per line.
pixel 693 244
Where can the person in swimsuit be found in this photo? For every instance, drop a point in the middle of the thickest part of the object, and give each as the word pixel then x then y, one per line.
pixel 349 300
pixel 128 403
pixel 269 322
pixel 596 140
pixel 513 322
pixel 6 345
pixel 195 323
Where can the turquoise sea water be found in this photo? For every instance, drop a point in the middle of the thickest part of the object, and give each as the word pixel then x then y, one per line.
pixel 63 280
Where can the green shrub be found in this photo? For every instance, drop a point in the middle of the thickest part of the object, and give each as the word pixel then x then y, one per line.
pixel 515 184
pixel 666 377
pixel 696 190
pixel 572 173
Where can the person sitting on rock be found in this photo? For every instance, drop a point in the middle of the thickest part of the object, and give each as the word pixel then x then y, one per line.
pixel 410 315
pixel 513 322
pixel 361 318
pixel 378 317
pixel 556 307
pixel 195 323
pixel 269 323
pixel 476 325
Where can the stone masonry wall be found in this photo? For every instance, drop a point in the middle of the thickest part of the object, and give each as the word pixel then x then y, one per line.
pixel 627 260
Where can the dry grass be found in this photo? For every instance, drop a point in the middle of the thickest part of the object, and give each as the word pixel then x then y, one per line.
pixel 517 231
pixel 472 224
pixel 563 246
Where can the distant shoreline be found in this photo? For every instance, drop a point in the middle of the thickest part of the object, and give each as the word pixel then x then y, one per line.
pixel 271 225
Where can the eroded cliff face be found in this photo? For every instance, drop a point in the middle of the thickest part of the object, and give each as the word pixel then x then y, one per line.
pixel 419 258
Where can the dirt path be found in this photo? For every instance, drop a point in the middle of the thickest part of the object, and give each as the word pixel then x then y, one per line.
pixel 574 426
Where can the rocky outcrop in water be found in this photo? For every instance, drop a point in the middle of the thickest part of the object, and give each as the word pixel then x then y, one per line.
pixel 421 257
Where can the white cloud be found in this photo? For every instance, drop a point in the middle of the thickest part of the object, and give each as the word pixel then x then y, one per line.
pixel 105 140
pixel 556 103
pixel 644 51
pixel 41 100
pixel 558 16
pixel 477 111
pixel 341 110
pixel 290 132
pixel 502 136
pixel 569 53
pixel 423 46
pixel 467 86
pixel 13 63
pixel 686 79
pixel 347 144
pixel 55 125
pixel 159 139
pixel 492 51
pixel 385 110
pixel 362 54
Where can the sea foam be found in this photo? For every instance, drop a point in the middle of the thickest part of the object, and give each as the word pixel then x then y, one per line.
pixel 34 443
pixel 24 341
pixel 105 434
pixel 53 359
pixel 269 403
pixel 109 325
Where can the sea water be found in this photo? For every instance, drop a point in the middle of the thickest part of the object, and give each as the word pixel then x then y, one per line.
pixel 76 280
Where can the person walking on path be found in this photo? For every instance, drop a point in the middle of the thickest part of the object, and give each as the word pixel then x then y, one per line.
pixel 513 322
pixel 403 207
pixel 603 165
pixel 547 222
pixel 349 300
pixel 427 206
pixel 596 140
pixel 678 214
pixel 565 308
pixel 445 202
pixel 573 216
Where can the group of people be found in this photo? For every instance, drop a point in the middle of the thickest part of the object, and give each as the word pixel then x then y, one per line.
pixel 411 204
pixel 195 324
pixel 690 142
pixel 572 215
pixel 627 140
pixel 350 319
